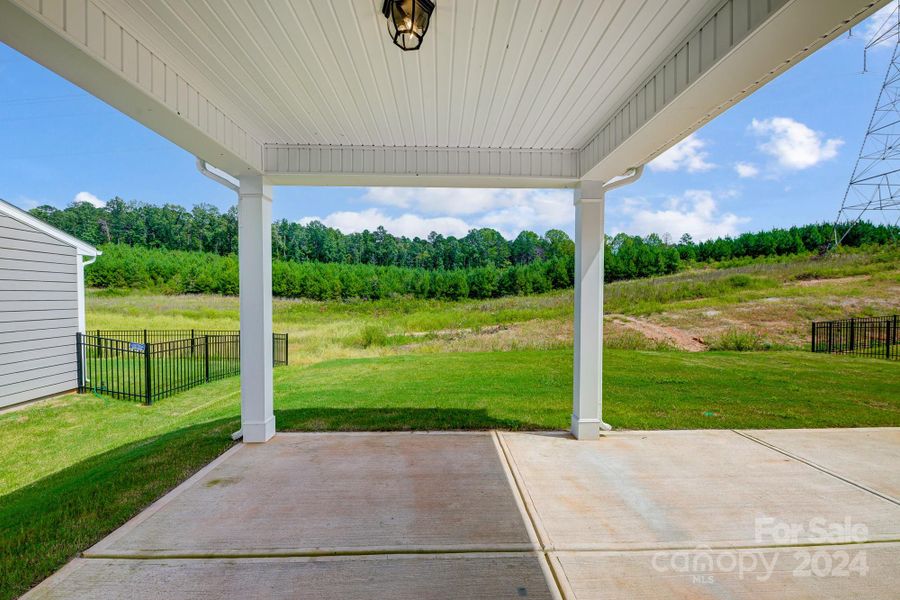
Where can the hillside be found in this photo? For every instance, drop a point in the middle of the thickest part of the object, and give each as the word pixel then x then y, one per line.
pixel 766 303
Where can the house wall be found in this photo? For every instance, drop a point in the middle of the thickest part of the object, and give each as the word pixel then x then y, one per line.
pixel 39 305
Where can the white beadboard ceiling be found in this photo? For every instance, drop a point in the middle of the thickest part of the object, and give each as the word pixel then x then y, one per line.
pixel 529 93
pixel 530 74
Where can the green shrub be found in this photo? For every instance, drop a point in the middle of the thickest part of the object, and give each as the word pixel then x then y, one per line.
pixel 373 335
pixel 113 293
pixel 737 340
pixel 740 281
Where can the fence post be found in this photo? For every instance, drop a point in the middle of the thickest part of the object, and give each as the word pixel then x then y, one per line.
pixel 287 347
pixel 206 355
pixel 814 336
pixel 147 377
pixel 852 335
pixel 889 337
pixel 78 361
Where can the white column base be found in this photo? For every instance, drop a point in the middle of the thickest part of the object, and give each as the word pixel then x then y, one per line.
pixel 256 433
pixel 588 429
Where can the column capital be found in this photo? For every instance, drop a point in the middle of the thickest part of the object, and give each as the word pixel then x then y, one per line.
pixel 255 185
pixel 589 192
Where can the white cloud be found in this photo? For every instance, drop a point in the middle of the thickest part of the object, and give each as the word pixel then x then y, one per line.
pixel 745 169
pixel 453 211
pixel 467 201
pixel 448 201
pixel 878 26
pixel 695 212
pixel 89 198
pixel 408 225
pixel 27 203
pixel 688 154
pixel 794 145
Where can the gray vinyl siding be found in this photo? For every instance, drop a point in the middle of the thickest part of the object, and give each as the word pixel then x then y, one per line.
pixel 38 313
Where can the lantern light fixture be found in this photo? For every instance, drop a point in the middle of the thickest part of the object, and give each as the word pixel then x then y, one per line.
pixel 407 21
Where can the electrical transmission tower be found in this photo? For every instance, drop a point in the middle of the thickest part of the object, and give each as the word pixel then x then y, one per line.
pixel 874 187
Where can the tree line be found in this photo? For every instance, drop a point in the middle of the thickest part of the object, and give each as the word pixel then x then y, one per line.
pixel 181 272
pixel 206 229
pixel 180 250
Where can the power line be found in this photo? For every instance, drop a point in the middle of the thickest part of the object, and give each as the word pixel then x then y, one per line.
pixel 42 99
pixel 874 186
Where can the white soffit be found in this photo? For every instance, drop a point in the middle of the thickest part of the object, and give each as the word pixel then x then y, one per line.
pixel 503 92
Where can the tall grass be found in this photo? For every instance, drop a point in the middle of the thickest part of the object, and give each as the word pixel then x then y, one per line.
pixel 737 340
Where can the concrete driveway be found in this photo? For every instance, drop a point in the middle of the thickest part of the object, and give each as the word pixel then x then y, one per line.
pixel 662 514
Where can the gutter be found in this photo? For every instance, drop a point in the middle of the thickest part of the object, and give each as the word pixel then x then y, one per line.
pixel 203 167
pixel 628 178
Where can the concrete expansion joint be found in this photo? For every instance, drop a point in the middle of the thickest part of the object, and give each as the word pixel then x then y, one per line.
pixel 562 589
pixel 375 552
pixel 817 467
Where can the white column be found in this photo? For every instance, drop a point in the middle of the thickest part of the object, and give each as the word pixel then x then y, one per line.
pixel 255 259
pixel 587 402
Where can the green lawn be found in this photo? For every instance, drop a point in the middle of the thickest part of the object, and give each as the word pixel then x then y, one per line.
pixel 75 468
pixel 531 389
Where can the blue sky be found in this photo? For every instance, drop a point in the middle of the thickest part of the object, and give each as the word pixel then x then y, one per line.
pixel 781 157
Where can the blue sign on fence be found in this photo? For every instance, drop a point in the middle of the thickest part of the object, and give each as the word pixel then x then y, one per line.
pixel 136 346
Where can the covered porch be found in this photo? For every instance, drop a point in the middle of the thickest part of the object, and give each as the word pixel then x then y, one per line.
pixel 576 95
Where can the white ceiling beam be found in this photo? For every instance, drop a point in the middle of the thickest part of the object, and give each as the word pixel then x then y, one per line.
pixel 87 46
pixel 740 47
pixel 295 164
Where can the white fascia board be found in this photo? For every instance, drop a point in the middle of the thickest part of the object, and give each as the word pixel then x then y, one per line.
pixel 87 46
pixel 13 212
pixel 721 63
pixel 298 164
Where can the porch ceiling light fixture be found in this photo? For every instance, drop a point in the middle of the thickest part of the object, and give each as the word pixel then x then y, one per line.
pixel 407 21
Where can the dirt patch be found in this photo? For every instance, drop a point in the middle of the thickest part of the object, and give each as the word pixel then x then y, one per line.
pixel 459 333
pixel 679 338
pixel 534 334
pixel 812 282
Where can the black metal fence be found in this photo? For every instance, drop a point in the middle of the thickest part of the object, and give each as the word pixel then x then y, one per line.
pixel 868 336
pixel 147 365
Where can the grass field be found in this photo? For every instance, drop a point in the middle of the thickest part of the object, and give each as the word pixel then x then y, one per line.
pixel 76 467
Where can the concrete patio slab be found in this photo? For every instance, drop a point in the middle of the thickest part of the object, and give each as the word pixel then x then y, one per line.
pixel 334 493
pixel 867 456
pixel 654 514
pixel 485 576
pixel 853 571
pixel 681 489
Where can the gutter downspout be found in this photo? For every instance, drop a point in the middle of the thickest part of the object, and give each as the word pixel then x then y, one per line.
pixel 628 178
pixel 79 285
pixel 82 322
pixel 203 167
